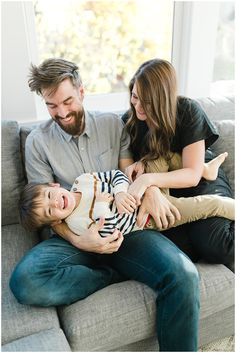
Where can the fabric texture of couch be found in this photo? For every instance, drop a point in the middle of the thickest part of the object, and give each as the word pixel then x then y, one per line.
pixel 120 317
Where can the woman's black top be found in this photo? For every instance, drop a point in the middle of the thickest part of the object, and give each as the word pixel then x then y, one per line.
pixel 192 125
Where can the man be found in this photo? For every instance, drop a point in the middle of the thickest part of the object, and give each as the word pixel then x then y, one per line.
pixel 67 268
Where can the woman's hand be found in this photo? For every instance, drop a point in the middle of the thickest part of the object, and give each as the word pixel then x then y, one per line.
pixel 134 170
pixel 139 186
pixel 125 203
pixel 91 240
pixel 156 204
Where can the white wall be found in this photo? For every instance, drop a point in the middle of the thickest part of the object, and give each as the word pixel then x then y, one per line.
pixel 17 101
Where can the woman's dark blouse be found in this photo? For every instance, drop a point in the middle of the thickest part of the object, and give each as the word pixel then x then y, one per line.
pixel 192 125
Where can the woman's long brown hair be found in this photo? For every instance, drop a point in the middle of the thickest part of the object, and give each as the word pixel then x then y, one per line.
pixel 157 91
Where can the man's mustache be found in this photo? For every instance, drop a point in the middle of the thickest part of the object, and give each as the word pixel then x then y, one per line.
pixel 68 116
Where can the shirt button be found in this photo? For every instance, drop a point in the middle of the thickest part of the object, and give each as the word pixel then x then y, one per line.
pixel 82 148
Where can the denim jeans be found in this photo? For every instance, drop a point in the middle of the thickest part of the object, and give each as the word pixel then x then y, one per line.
pixel 54 273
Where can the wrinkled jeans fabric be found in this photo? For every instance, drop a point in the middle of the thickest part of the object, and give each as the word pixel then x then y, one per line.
pixel 55 273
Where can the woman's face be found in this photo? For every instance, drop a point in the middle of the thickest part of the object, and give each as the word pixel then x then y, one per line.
pixel 135 101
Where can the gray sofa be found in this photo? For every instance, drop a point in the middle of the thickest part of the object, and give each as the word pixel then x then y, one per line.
pixel 120 317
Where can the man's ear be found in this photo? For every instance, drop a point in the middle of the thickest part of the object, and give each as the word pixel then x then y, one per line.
pixel 54 185
pixel 54 223
pixel 81 91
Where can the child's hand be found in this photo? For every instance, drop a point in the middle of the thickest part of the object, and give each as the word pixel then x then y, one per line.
pixel 125 203
pixel 104 197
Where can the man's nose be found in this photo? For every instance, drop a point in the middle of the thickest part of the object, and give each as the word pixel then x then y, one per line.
pixel 62 111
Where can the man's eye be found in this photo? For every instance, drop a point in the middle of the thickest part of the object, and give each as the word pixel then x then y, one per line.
pixel 49 195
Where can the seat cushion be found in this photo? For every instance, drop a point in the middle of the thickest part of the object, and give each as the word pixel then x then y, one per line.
pixel 127 311
pixel 20 320
pixel 45 341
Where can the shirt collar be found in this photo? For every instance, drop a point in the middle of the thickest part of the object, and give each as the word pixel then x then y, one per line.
pixel 87 129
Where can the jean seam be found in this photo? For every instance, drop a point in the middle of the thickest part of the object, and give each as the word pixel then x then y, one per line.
pixel 68 257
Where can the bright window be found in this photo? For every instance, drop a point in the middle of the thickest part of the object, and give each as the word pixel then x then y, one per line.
pixel 223 73
pixel 107 39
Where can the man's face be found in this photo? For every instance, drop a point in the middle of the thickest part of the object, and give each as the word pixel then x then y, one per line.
pixel 65 106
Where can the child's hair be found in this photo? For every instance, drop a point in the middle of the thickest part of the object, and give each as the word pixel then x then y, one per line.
pixel 30 201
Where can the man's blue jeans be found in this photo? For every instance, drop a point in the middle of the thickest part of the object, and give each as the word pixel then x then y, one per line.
pixel 55 273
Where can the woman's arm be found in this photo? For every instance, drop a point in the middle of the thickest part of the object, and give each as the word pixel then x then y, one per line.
pixel 190 175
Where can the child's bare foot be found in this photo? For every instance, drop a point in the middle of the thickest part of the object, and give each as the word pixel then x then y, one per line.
pixel 211 168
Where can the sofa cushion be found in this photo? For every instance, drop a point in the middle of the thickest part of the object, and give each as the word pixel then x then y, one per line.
pixel 218 107
pixel 117 315
pixel 127 311
pixel 12 172
pixel 226 143
pixel 20 320
pixel 45 341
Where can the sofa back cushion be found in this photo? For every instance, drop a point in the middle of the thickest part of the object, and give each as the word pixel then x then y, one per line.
pixel 221 110
pixel 218 107
pixel 12 172
pixel 226 143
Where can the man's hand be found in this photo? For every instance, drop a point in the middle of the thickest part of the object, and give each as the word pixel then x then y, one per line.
pixel 91 240
pixel 156 204
pixel 125 203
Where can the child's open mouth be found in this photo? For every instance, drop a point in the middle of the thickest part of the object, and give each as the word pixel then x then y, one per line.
pixel 65 202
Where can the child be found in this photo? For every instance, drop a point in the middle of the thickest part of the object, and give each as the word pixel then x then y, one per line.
pixel 105 194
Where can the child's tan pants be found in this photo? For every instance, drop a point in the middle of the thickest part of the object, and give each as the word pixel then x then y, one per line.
pixel 191 208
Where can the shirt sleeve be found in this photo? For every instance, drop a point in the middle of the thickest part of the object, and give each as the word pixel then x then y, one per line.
pixel 37 166
pixel 117 179
pixel 125 152
pixel 193 125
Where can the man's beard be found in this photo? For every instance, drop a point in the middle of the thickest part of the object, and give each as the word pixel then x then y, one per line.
pixel 74 128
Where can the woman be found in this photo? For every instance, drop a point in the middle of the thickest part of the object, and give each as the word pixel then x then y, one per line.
pixel 160 122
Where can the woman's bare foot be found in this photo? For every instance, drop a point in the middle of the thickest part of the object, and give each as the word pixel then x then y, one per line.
pixel 211 168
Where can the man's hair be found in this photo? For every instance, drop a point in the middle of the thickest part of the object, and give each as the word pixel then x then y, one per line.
pixel 51 73
pixel 30 201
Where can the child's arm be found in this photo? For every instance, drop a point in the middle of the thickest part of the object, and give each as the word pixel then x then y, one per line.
pixel 101 206
pixel 125 203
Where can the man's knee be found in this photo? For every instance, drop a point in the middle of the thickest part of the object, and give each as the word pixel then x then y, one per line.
pixel 19 282
pixel 184 276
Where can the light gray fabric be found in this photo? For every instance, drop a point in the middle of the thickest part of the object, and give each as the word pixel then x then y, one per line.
pixel 147 345
pixel 12 172
pixel 98 148
pixel 218 107
pixel 128 311
pixel 226 143
pixel 20 320
pixel 45 341
pixel 112 317
pixel 216 288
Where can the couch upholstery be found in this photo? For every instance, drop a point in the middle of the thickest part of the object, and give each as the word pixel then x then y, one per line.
pixel 120 317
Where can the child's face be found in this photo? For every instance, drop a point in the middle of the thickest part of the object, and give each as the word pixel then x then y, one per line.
pixel 57 203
